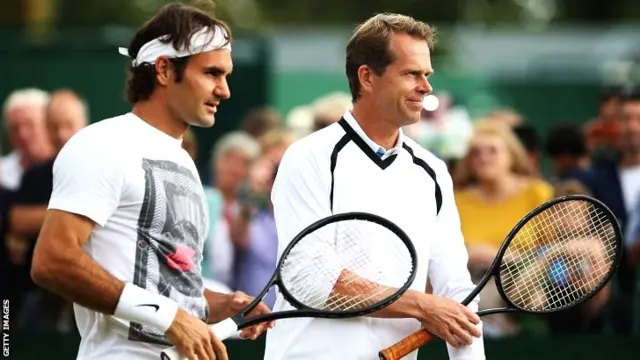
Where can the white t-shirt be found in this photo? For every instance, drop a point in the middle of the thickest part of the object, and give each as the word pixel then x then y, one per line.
pixel 339 169
pixel 143 192
pixel 11 171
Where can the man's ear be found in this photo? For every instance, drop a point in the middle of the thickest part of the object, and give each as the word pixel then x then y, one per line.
pixel 366 77
pixel 164 71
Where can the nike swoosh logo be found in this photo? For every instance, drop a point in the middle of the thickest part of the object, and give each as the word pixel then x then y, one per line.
pixel 150 305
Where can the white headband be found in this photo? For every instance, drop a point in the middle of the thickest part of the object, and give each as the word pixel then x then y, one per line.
pixel 202 41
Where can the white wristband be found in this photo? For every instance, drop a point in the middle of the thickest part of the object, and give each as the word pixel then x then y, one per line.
pixel 145 307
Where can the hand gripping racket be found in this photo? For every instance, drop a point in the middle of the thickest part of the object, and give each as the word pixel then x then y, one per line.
pixel 342 266
pixel 558 256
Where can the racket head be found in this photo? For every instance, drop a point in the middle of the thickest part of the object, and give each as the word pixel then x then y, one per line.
pixel 569 228
pixel 293 294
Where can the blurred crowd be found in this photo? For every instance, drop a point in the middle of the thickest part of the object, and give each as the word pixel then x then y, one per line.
pixel 496 163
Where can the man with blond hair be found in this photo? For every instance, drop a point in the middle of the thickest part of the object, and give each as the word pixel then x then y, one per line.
pixel 364 162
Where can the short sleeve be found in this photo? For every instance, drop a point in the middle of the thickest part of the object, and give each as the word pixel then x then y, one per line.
pixel 88 176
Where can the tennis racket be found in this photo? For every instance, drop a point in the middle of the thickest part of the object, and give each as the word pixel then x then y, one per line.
pixel 558 256
pixel 345 265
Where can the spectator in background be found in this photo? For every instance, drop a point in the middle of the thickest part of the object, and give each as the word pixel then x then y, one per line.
pixel 603 131
pixel 590 316
pixel 566 146
pixel 260 120
pixel 617 184
pixel 496 188
pixel 529 138
pixel 65 114
pixel 329 108
pixel 231 160
pixel 258 244
pixel 23 114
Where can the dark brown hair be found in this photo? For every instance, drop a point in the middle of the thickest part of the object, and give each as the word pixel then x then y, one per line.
pixel 178 22
pixel 369 44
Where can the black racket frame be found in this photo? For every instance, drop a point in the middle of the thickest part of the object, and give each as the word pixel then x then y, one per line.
pixel 494 269
pixel 305 311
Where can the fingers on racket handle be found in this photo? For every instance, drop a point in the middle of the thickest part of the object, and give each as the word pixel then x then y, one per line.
pixel 222 330
pixel 405 346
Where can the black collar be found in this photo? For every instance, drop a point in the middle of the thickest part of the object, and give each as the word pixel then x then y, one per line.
pixel 353 136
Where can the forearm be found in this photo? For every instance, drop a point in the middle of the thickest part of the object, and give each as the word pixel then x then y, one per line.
pixel 407 306
pixel 75 276
pixel 26 220
pixel 354 292
pixel 218 306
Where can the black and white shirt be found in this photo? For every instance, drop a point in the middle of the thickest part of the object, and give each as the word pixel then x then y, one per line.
pixel 339 169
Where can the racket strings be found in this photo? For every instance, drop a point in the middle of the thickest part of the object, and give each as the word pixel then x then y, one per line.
pixel 346 266
pixel 559 257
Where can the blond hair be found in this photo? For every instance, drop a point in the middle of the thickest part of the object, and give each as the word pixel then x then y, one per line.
pixel 369 44
pixel 520 163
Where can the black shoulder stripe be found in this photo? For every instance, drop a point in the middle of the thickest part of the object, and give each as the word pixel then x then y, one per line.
pixel 334 161
pixel 423 164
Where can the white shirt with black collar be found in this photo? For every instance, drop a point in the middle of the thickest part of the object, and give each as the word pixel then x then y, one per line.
pixel 340 169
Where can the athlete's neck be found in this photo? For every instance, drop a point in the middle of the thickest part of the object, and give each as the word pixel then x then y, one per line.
pixel 158 116
pixel 380 130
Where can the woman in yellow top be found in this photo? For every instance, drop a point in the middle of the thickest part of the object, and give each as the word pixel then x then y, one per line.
pixel 495 188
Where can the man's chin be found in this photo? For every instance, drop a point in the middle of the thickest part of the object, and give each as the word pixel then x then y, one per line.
pixel 411 119
pixel 203 123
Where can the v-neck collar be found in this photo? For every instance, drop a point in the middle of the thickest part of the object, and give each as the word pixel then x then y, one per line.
pixel 368 146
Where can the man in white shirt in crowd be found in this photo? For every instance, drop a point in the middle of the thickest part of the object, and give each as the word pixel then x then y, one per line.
pixel 365 163
pixel 127 218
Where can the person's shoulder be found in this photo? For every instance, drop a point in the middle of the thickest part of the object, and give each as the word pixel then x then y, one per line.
pixel 316 146
pixel 95 142
pixel 425 155
pixel 106 130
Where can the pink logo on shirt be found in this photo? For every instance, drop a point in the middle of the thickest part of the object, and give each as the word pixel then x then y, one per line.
pixel 182 259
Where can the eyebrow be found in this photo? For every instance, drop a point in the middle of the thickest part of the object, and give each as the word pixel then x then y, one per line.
pixel 415 70
pixel 216 70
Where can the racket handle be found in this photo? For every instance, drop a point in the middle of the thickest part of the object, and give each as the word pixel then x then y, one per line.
pixel 223 330
pixel 406 346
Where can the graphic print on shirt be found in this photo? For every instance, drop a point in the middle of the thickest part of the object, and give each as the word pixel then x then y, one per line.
pixel 171 230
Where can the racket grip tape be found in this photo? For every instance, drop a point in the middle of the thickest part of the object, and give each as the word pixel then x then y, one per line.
pixel 223 330
pixel 406 346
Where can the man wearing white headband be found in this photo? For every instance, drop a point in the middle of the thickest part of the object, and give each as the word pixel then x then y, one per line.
pixel 126 222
